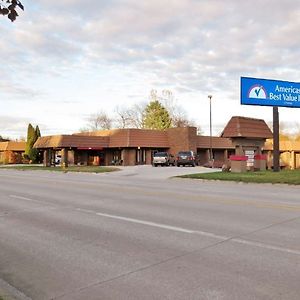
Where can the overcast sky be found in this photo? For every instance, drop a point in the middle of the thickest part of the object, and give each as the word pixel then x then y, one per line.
pixel 62 61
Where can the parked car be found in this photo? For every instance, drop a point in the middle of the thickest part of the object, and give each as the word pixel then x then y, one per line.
pixel 57 159
pixel 185 158
pixel 163 159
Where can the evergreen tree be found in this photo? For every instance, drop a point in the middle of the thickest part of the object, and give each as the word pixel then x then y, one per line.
pixel 37 131
pixel 32 135
pixel 156 116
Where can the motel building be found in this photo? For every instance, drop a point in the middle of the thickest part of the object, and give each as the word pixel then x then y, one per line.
pixel 244 144
pixel 11 152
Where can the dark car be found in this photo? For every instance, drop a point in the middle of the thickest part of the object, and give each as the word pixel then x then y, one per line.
pixel 163 159
pixel 186 158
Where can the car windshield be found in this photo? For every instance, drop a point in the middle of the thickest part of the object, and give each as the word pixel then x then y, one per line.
pixel 185 153
pixel 160 154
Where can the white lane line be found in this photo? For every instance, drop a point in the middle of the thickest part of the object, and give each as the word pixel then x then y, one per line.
pixel 137 221
pixel 159 225
pixel 5 287
pixel 23 198
pixel 202 233
pixel 212 235
pixel 265 246
pixel 86 210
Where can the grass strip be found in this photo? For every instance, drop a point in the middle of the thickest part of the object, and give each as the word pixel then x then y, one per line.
pixel 285 176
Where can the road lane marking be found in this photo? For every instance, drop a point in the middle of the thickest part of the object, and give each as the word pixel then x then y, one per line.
pixel 23 198
pixel 12 291
pixel 138 221
pixel 153 224
pixel 265 246
pixel 202 233
pixel 212 235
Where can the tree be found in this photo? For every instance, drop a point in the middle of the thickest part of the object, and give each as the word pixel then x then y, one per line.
pixel 98 121
pixel 123 117
pixel 177 113
pixel 8 8
pixel 156 116
pixel 130 117
pixel 32 135
pixel 37 131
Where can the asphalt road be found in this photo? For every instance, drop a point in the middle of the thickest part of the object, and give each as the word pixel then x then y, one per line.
pixel 137 235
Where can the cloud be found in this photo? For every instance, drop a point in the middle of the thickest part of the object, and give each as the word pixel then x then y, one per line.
pixel 13 126
pixel 189 46
pixel 17 89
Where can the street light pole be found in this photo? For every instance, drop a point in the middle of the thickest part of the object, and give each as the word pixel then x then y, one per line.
pixel 210 132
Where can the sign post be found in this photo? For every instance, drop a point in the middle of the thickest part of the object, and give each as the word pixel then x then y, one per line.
pixel 276 150
pixel 276 93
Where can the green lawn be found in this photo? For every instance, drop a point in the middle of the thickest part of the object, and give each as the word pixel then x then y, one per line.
pixel 87 169
pixel 284 176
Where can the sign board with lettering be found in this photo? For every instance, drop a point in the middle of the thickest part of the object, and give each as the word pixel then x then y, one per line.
pixel 250 155
pixel 266 92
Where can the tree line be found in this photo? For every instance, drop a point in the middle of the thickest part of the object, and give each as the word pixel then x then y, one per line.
pixel 161 112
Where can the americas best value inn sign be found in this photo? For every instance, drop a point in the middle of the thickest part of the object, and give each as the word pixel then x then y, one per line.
pixel 255 91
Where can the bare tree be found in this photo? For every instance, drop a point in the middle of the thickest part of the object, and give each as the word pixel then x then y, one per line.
pixel 8 8
pixel 123 117
pixel 130 117
pixel 98 121
pixel 177 112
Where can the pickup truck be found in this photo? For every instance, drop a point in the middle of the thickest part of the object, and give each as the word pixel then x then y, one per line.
pixel 163 159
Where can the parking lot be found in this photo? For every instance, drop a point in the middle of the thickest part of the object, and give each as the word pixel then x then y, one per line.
pixel 160 172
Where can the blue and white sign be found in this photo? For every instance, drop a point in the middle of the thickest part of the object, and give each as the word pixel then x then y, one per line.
pixel 266 92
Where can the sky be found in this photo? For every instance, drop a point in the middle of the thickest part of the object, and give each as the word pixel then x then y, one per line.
pixel 62 61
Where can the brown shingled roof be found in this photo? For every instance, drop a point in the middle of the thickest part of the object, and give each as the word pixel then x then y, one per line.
pixel 247 128
pixel 217 142
pixel 132 137
pixel 71 141
pixel 12 146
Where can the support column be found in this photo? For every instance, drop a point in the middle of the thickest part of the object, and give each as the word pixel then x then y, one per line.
pixel 46 158
pixel 207 156
pixel 293 160
pixel 148 157
pixel 71 157
pixel 64 158
pixel 85 158
pixel 225 156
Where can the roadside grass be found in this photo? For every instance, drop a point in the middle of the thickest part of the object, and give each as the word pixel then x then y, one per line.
pixel 86 169
pixel 285 176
